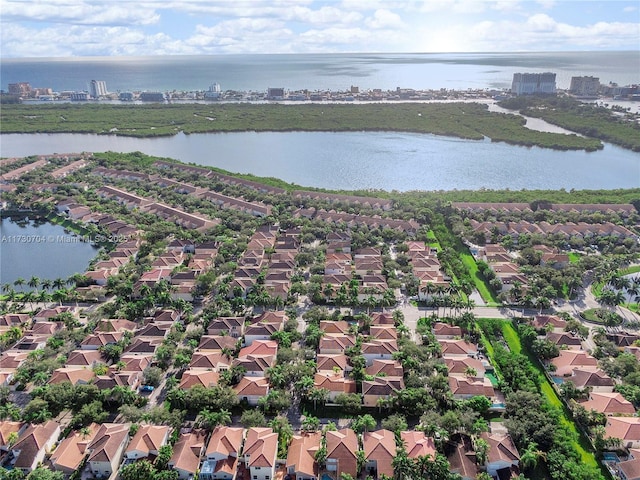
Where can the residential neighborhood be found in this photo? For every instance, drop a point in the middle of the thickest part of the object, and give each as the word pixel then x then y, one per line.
pixel 229 329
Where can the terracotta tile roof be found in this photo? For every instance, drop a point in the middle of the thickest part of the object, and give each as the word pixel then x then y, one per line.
pixel 418 444
pixel 334 382
pixel 6 428
pixel 444 329
pixel 261 446
pixel 217 342
pixel 341 442
pixel 149 438
pixel 69 453
pixel 381 447
pixel 210 360
pixel 458 366
pixel 457 347
pixel 501 448
pixel 205 378
pixel 329 361
pixel 470 386
pixel 107 440
pixel 609 403
pixel 84 358
pixel 74 375
pixel 382 386
pixel 330 327
pixel 187 450
pixel 301 454
pixel 630 469
pixel 260 347
pixel 391 368
pixel 250 386
pixel 570 359
pixel 33 440
pixel 624 428
pixel 226 441
pixel 591 378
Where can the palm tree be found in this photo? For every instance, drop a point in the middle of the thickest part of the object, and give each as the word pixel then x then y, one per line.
pixel 34 282
pixel 403 467
pixel 209 420
pixel 530 457
pixel 318 395
pixel 19 282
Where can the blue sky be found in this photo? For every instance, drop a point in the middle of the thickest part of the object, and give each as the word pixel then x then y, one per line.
pixel 69 28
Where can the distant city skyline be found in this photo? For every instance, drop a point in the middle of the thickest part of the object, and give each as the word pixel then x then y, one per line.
pixel 78 28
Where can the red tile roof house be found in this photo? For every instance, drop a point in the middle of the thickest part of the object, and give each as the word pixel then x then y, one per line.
pixel 301 463
pixel 332 361
pixel 568 360
pixel 626 429
pixel 609 404
pixel 210 360
pixel 222 453
pixel 232 326
pixel 380 450
pixel 33 444
pixel 467 387
pixel 84 358
pixel 8 427
pixel 380 388
pixel 458 349
pixel 75 375
pixel 251 389
pixel 186 454
pixel 335 382
pixel 217 343
pixel 596 380
pixel 205 378
pixel 97 340
pixel 261 330
pixel 342 446
pixel 388 368
pixel 565 340
pixel 260 452
pixel 71 451
pixel 502 455
pixel 417 444
pixel 379 349
pixel 444 331
pixel 461 367
pixel 147 441
pixel 107 448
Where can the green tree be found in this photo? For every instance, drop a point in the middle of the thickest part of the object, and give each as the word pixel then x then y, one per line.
pixel 141 470
pixel 253 418
pixel 363 423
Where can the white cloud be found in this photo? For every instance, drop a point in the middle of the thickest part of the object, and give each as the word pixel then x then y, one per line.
pixel 384 18
pixel 77 12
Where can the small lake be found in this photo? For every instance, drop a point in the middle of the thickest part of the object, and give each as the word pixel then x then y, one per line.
pixel 365 160
pixel 43 250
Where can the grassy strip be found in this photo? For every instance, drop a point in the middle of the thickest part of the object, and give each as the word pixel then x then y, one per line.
pixel 464 120
pixel 478 279
pixel 583 447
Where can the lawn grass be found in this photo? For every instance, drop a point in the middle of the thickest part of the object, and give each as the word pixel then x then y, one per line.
pixel 574 257
pixel 478 279
pixel 582 446
pixel 597 287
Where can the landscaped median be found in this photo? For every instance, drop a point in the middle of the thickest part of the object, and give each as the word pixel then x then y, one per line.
pixel 570 455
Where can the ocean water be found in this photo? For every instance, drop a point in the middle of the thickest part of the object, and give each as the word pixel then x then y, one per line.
pixel 335 72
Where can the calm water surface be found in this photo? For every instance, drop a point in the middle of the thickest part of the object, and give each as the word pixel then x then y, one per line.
pixel 41 250
pixel 318 71
pixel 359 160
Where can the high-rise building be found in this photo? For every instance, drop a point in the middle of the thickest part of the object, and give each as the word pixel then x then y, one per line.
pixel 585 86
pixel 21 88
pixel 533 83
pixel 98 88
